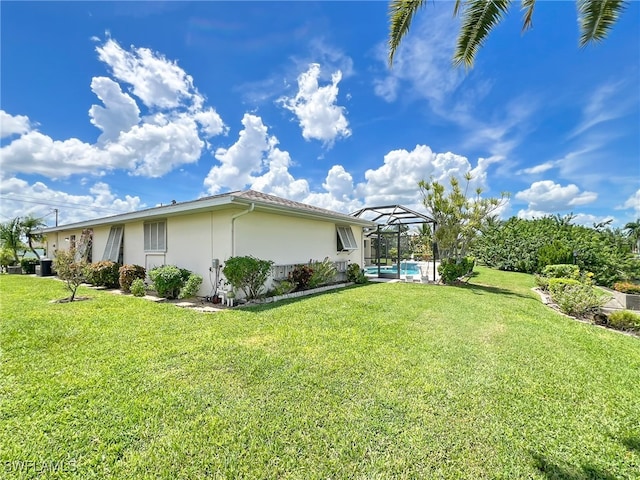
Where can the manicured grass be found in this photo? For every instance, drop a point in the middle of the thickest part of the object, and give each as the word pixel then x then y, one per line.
pixel 380 381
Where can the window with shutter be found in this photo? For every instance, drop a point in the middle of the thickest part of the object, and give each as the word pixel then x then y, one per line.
pixel 155 237
pixel 114 244
pixel 346 239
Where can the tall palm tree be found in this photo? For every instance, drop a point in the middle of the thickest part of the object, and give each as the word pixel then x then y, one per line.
pixel 633 231
pixel 29 225
pixel 480 16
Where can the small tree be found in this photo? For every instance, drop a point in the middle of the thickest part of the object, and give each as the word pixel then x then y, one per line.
pixel 248 274
pixel 459 218
pixel 69 270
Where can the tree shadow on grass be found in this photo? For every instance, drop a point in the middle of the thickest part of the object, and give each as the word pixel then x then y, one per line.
pixel 554 471
pixel 480 289
pixel 631 442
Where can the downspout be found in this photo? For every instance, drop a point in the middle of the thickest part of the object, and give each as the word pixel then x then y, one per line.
pixel 233 230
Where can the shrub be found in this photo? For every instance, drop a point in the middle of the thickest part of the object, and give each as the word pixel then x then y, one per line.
pixel 167 280
pixel 561 270
pixel 6 257
pixel 300 276
pixel 283 287
pixel 29 265
pixel 452 269
pixel 625 320
pixel 355 274
pixel 577 299
pixel 69 270
pixel 627 287
pixel 137 287
pixel 559 284
pixel 191 286
pixel 103 274
pixel 128 273
pixel 557 253
pixel 248 274
pixel 324 272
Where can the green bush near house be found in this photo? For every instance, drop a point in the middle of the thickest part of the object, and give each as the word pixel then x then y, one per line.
pixel 191 286
pixel 138 288
pixel 248 274
pixel 355 274
pixel 29 265
pixel 168 280
pixel 105 273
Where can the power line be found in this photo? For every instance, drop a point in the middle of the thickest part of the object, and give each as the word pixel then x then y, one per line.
pixel 57 204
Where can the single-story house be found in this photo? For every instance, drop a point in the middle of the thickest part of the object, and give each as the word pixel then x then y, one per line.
pixel 200 235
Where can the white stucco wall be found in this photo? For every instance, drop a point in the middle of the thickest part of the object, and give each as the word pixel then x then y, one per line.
pixel 194 240
pixel 288 240
pixel 56 241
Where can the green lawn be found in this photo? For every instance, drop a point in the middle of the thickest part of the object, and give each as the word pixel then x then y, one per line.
pixel 374 382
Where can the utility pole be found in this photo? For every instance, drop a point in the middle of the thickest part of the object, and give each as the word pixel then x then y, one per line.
pixel 56 210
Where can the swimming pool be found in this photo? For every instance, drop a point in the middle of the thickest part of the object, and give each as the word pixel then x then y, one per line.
pixel 406 268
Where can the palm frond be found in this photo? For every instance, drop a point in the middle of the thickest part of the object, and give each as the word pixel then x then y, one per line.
pixel 478 19
pixel 596 17
pixel 456 8
pixel 527 6
pixel 401 14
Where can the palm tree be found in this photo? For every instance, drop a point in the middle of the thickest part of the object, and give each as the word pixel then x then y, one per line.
pixel 633 231
pixel 480 16
pixel 29 225
pixel 10 237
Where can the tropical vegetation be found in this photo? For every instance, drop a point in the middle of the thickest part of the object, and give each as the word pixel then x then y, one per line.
pixel 529 245
pixel 479 17
pixel 13 234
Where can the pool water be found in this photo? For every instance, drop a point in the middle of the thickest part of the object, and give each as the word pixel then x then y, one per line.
pixel 406 268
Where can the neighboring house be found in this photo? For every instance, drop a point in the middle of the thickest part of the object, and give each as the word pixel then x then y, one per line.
pixel 197 234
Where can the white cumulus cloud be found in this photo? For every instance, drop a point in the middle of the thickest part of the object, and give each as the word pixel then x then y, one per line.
pixel 148 145
pixel 120 111
pixel 548 196
pixel 315 107
pixel 632 203
pixel 13 124
pixel 396 181
pixel 155 80
pixel 244 158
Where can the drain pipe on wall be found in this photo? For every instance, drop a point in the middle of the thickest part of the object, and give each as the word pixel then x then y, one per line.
pixel 233 228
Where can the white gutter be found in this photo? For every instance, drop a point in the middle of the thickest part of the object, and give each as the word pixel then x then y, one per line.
pixel 233 230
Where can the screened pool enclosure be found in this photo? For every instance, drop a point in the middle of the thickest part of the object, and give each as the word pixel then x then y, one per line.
pixel 390 247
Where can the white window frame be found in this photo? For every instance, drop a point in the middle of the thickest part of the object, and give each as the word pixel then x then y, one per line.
pixel 159 243
pixel 346 237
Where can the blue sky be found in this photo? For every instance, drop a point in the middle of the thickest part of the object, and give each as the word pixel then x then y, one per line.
pixel 111 107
